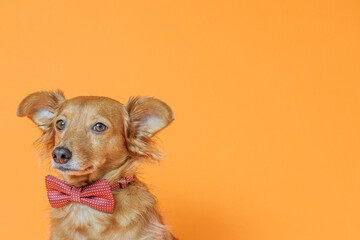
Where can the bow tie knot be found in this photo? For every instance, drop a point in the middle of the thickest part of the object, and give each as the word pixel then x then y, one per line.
pixel 75 194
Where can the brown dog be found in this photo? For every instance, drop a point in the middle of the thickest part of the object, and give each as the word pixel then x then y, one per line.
pixel 94 138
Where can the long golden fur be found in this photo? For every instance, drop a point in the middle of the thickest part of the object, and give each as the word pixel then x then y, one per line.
pixel 108 155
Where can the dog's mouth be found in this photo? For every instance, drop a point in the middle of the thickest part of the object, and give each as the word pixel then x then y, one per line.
pixel 72 171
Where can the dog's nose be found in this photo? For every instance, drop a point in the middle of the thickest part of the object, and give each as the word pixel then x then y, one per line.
pixel 61 155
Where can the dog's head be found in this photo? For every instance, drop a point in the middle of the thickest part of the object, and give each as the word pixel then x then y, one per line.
pixel 89 137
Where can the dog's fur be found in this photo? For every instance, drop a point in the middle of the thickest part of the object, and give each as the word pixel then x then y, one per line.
pixel 108 155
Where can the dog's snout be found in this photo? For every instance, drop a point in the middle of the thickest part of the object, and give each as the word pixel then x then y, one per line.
pixel 61 155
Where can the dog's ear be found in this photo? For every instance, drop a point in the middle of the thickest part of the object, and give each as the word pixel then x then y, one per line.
pixel 40 107
pixel 147 116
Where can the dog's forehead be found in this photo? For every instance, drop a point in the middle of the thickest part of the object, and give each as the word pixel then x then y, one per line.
pixel 92 105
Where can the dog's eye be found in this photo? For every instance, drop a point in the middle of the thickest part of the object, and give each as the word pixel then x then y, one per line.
pixel 60 125
pixel 99 127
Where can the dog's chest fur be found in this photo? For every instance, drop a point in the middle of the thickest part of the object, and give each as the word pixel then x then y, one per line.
pixel 78 221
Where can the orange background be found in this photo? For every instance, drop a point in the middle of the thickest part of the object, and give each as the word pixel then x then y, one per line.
pixel 266 94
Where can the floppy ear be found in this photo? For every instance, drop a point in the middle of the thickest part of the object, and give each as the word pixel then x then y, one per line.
pixel 147 116
pixel 40 107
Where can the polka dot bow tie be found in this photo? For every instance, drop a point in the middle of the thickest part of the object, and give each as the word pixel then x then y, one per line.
pixel 97 195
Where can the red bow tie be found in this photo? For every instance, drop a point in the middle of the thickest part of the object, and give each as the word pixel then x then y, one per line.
pixel 97 195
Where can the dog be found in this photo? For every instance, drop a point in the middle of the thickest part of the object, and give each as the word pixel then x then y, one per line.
pixel 97 141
